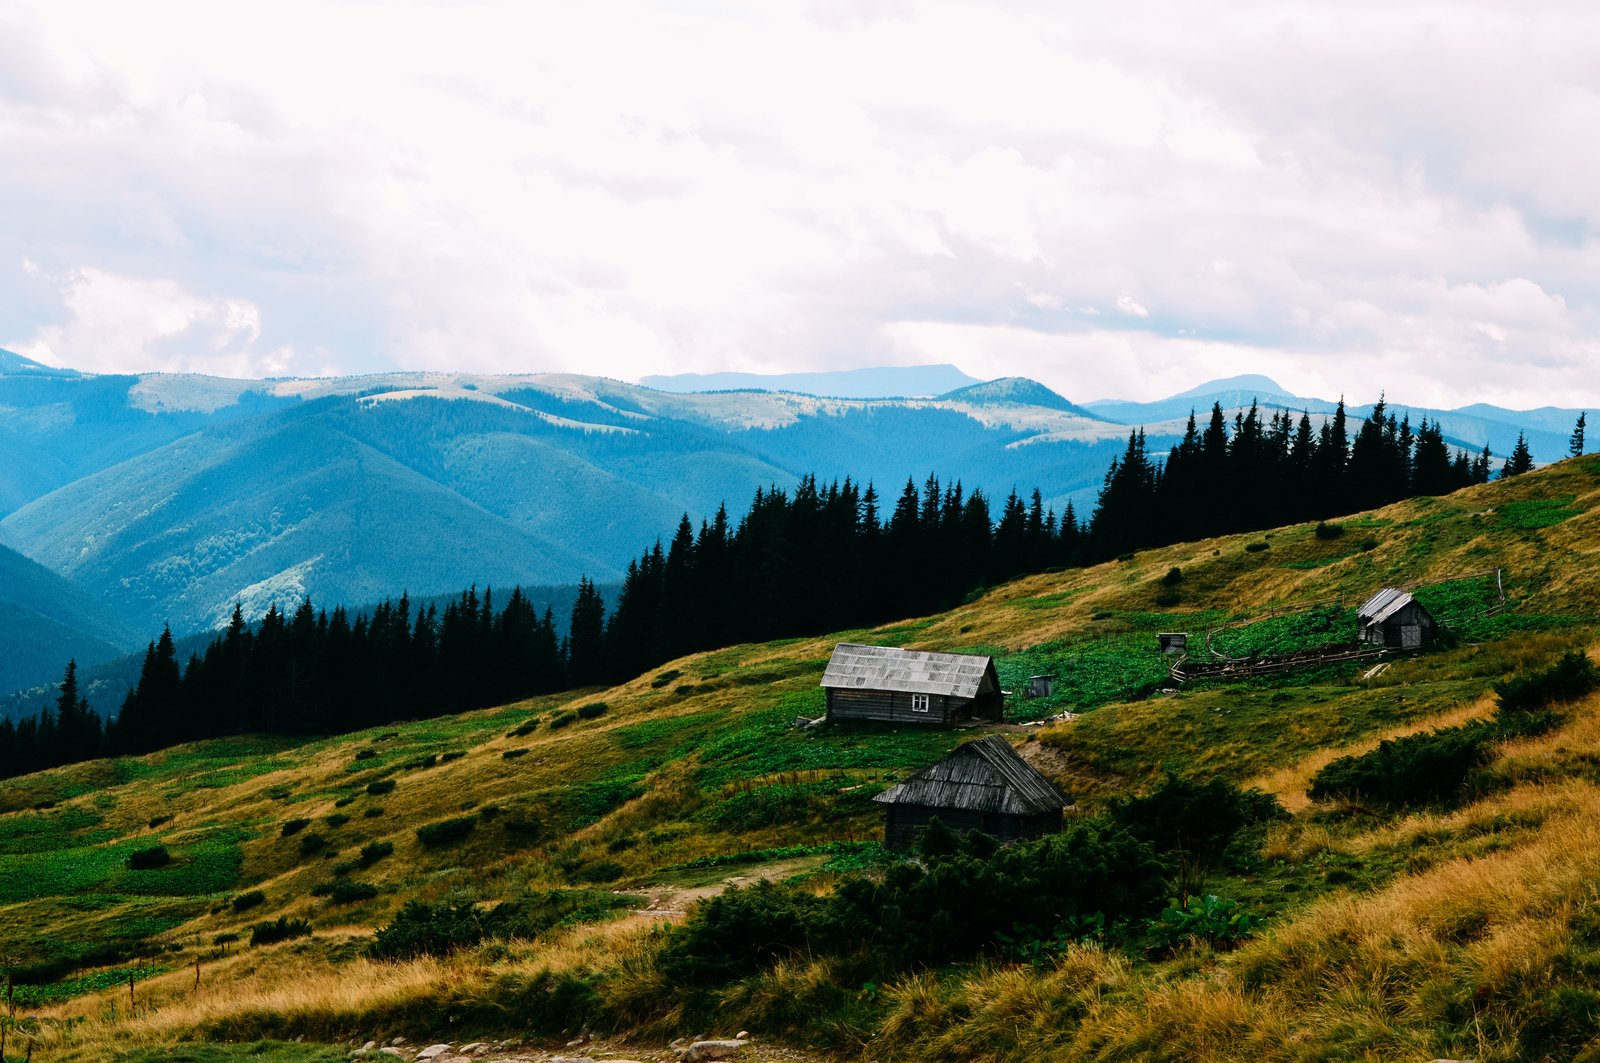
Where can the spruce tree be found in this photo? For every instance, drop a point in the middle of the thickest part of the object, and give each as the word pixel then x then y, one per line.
pixel 1521 459
pixel 1575 444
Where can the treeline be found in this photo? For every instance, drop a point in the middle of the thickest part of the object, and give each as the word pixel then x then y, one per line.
pixel 817 559
pixel 310 672
pixel 1274 471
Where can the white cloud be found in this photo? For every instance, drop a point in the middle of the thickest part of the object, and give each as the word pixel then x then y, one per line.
pixel 1358 196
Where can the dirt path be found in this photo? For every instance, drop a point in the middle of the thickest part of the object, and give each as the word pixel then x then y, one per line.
pixel 676 900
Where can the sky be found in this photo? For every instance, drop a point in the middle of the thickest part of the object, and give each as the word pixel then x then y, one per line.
pixel 1119 200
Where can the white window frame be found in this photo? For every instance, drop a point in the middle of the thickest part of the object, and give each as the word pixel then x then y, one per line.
pixel 921 703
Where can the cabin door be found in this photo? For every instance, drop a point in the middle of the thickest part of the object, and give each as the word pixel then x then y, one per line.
pixel 1410 636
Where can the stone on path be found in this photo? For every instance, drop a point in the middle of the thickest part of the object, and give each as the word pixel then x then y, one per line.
pixel 703 1050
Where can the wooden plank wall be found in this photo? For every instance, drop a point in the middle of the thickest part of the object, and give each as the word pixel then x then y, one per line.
pixel 892 706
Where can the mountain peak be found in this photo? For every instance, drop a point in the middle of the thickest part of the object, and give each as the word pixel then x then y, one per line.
pixel 1012 389
pixel 13 364
pixel 881 382
pixel 1247 382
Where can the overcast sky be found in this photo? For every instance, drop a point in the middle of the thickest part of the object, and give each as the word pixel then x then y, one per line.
pixel 1120 200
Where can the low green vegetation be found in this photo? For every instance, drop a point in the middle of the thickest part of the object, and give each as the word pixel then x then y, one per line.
pixel 437 930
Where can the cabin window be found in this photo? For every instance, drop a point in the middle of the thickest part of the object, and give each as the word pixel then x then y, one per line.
pixel 919 703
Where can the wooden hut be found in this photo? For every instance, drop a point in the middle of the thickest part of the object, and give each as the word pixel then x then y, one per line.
pixel 983 786
pixel 911 686
pixel 1394 619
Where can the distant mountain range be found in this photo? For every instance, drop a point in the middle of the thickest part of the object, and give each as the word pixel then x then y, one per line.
pixel 881 383
pixel 1547 429
pixel 166 498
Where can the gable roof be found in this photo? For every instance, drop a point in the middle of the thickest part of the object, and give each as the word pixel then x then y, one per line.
pixel 1383 605
pixel 857 667
pixel 982 776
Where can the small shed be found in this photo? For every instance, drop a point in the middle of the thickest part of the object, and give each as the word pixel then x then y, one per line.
pixel 892 685
pixel 1173 642
pixel 983 786
pixel 1041 686
pixel 1394 619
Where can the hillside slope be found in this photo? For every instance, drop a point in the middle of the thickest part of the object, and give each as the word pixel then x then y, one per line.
pixel 1411 933
pixel 46 620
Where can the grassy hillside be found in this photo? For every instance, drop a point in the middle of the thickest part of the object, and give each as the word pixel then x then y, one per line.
pixel 1456 932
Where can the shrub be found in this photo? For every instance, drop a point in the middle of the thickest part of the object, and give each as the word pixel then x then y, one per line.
pixel 489 812
pixel 524 822
pixel 1103 616
pixel 603 871
pixel 312 843
pixel 665 677
pixel 156 821
pixel 371 854
pixel 346 892
pixel 146 859
pixel 282 930
pixel 445 758
pixel 1124 557
pixel 446 830
pixel 589 712
pixel 952 907
pixel 343 801
pixel 246 901
pixel 1196 818
pixel 338 819
pixel 224 939
pixel 382 786
pixel 1573 676
pixel 513 754
pixel 1173 577
pixel 366 754
pixel 1368 545
pixel 345 867
pixel 562 720
pixel 1168 598
pixel 294 826
pixel 1256 548
pixel 372 812
pixel 1327 531
pixel 1414 770
pixel 429 761
pixel 681 691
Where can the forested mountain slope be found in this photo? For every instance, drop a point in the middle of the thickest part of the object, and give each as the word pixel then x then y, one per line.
pixel 553 841
pixel 45 620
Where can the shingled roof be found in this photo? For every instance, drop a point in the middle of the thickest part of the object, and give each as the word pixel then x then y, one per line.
pixel 857 667
pixel 982 776
pixel 1383 605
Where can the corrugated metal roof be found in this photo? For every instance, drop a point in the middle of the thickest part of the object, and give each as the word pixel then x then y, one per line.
pixel 857 667
pixel 1383 605
pixel 982 776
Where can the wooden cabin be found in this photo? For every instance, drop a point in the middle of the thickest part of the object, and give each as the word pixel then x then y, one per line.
pixel 911 686
pixel 983 786
pixel 1394 619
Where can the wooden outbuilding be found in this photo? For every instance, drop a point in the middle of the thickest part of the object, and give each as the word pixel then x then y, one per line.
pixel 983 786
pixel 892 685
pixel 1394 619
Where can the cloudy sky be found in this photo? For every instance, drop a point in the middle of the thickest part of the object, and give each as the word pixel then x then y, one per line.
pixel 1120 200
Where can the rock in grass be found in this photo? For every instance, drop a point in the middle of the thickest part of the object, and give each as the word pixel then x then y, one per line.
pixel 702 1050
pixel 433 1052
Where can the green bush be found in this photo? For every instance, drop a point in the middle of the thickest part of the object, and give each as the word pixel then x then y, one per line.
pixel 346 892
pixel 1168 598
pixel 1415 770
pixel 527 728
pixel 1173 577
pixel 446 830
pixel 1124 557
pixel 156 821
pixel 1195 818
pixel 445 758
pixel 955 906
pixel 382 786
pixel 562 720
pixel 602 871
pixel 1570 678
pixel 366 754
pixel 437 930
pixel 513 754
pixel 344 801
pixel 1327 531
pixel 372 812
pixel 224 939
pixel 312 843
pixel 246 901
pixel 338 819
pixel 294 826
pixel 665 677
pixel 1256 548
pixel 371 854
pixel 282 930
pixel 148 859
pixel 589 712
pixel 1368 545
